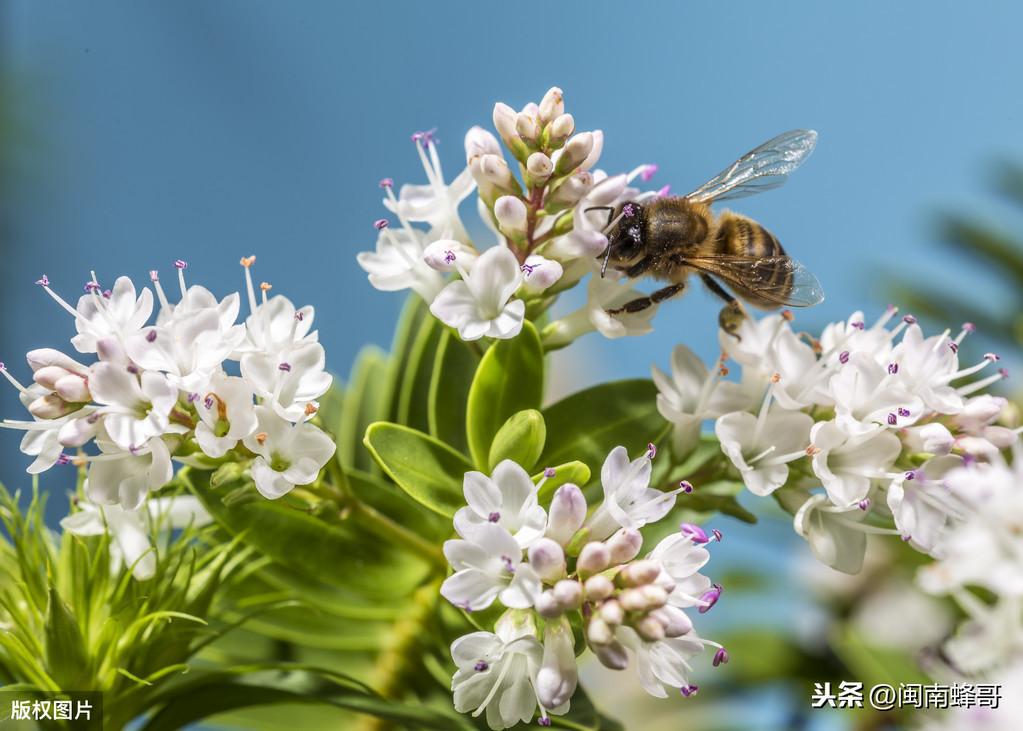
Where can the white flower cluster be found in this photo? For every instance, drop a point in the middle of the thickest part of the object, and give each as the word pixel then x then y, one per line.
pixel 545 565
pixel 547 239
pixel 160 390
pixel 899 437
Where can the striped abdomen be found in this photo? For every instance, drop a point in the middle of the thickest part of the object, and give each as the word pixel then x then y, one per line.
pixel 743 237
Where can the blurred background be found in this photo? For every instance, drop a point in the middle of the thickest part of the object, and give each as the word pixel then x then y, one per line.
pixel 132 135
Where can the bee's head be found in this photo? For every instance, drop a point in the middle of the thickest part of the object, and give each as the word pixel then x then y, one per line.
pixel 625 239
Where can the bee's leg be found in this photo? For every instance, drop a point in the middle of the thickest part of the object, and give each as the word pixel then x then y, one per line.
pixel 641 303
pixel 732 314
pixel 638 269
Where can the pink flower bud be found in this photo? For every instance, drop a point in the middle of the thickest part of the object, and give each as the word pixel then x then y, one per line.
pixel 539 167
pixel 479 142
pixel 547 559
pixel 73 388
pixel 511 214
pixel 575 151
pixel 625 545
pixel 547 605
pixel 569 594
pixel 47 376
pixel 612 655
pixel 598 632
pixel 650 629
pixel 676 622
pixel 594 558
pixel 43 357
pixel 528 126
pixel 640 573
pixel 504 123
pixel 50 406
pixel 567 513
pixel 561 129
pixel 612 612
pixel 598 588
pixel 552 105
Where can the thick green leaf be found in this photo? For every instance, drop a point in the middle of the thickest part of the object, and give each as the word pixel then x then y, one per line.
pixel 392 501
pixel 454 365
pixel 66 657
pixel 367 399
pixel 587 425
pixel 346 555
pixel 508 380
pixel 519 439
pixel 575 472
pixel 416 376
pixel 428 470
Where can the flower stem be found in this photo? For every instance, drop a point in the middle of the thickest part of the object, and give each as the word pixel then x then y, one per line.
pixel 388 528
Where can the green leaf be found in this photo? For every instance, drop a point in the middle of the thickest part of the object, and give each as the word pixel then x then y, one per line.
pixel 346 555
pixel 454 365
pixel 413 314
pixel 509 379
pixel 366 400
pixel 872 664
pixel 587 425
pixel 428 470
pixel 519 439
pixel 575 472
pixel 584 716
pixel 417 372
pixel 66 656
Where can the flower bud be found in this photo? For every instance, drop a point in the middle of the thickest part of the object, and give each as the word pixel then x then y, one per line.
pixel 612 655
pixel 511 214
pixel 540 273
pixel 980 410
pixel 479 142
pixel 650 629
pixel 598 632
pixel 560 130
pixel 569 192
pixel 539 167
pixel 675 621
pixel 625 545
pixel 528 127
pixel 552 105
pixel 594 558
pixel 598 588
pixel 504 123
pixel 639 573
pixel 558 675
pixel 547 605
pixel 446 255
pixel 582 243
pixel 44 357
pixel 569 594
pixel 77 432
pixel 47 376
pixel 936 438
pixel 654 596
pixel 612 612
pixel 576 150
pixel 567 513
pixel 595 151
pixel 73 388
pixel 605 193
pixel 496 172
pixel 1000 436
pixel 632 600
pixel 547 559
pixel 51 406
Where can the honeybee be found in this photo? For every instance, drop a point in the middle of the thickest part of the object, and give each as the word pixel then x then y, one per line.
pixel 672 237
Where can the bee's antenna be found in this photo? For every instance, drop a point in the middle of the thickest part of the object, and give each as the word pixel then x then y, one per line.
pixel 607 255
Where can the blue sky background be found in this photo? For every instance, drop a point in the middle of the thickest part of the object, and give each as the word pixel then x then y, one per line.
pixel 208 131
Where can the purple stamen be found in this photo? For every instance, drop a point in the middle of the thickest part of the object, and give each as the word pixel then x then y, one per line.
pixel 903 412
pixel 907 539
pixel 969 327
pixel 386 183
pixel 953 346
pixel 63 459
pixel 718 535
pixel 193 397
pixel 481 667
pixel 991 357
pixel 651 450
pixel 911 475
pixel 544 721
pixel 710 596
pixel 494 517
pixel 864 504
pixel 426 138
pixel 133 449
pixel 628 210
pixel 857 325
pixel 299 316
pixel 107 293
pixel 43 281
pixel 695 532
pixel 207 402
pixel 449 256
pixel 664 192
pixel 909 319
pixel 689 690
pixel 92 418
pixel 1003 372
pixel 508 564
pixel 180 264
pixel 91 287
pixel 132 369
pixel 721 657
pixel 151 336
pixel 843 357
pixel 687 487
pixel 286 367
pixel 549 472
pixel 648 172
pixel 154 276
pixel 893 368
pixel 527 268
pixel 892 420
pixel 380 224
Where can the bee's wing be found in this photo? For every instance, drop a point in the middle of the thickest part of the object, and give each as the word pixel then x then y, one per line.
pixel 778 280
pixel 760 169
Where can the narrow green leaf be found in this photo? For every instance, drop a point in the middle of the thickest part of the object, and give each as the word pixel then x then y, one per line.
pixel 417 370
pixel 430 471
pixel 413 314
pixel 454 365
pixel 587 425
pixel 520 439
pixel 66 656
pixel 509 379
pixel 367 399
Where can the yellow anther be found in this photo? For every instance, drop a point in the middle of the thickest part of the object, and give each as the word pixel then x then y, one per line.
pixel 261 437
pixel 310 409
pixel 265 286
pixel 247 261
